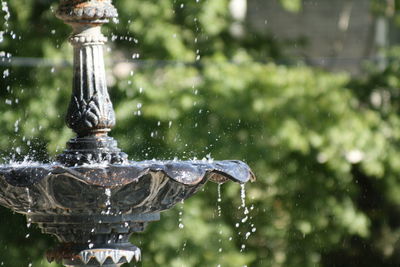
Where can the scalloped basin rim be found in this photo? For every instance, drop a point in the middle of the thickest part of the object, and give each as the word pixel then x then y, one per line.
pixel 109 175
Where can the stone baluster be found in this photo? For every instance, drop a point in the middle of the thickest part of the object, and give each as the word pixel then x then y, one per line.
pixel 90 113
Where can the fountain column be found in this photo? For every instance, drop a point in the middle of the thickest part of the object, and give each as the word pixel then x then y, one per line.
pixel 90 113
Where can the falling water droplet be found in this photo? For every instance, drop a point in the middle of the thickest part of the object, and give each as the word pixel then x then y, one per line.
pixel 108 200
pixel 247 235
pixel 16 126
pixel 243 195
pixel 219 199
pixel 4 8
pixel 6 73
pixel 181 225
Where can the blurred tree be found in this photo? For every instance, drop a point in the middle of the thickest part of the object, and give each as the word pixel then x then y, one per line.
pixel 324 147
pixel 292 5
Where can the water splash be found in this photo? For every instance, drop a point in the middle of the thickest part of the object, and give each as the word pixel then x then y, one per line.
pixel 219 200
pixel 245 217
pixel 243 206
pixel 181 225
pixel 29 220
pixel 180 217
pixel 107 192
pixel 7 16
pixel 28 194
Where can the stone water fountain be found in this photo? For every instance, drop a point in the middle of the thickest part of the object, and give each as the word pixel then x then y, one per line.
pixel 92 198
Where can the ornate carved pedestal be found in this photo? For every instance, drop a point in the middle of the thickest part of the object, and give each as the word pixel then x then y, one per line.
pixel 90 112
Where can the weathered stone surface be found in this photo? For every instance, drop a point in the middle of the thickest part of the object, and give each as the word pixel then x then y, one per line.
pixel 92 208
pixel 99 11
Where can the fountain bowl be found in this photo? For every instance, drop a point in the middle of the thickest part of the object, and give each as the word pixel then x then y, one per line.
pixel 94 209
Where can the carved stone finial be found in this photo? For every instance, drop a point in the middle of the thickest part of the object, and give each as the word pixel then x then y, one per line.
pixel 90 113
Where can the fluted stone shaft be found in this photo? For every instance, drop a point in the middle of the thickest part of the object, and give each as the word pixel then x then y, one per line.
pixel 90 111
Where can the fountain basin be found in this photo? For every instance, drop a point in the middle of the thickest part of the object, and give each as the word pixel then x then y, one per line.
pixel 135 187
pixel 94 209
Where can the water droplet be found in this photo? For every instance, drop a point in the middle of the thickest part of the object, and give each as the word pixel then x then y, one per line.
pixel 219 200
pixel 248 235
pixel 6 73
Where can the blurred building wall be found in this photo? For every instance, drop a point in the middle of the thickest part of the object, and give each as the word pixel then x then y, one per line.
pixel 335 34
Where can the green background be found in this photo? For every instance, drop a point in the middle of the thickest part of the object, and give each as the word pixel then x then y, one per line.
pixel 326 156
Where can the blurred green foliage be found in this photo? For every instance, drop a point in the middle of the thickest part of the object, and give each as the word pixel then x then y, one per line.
pixel 292 5
pixel 324 146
